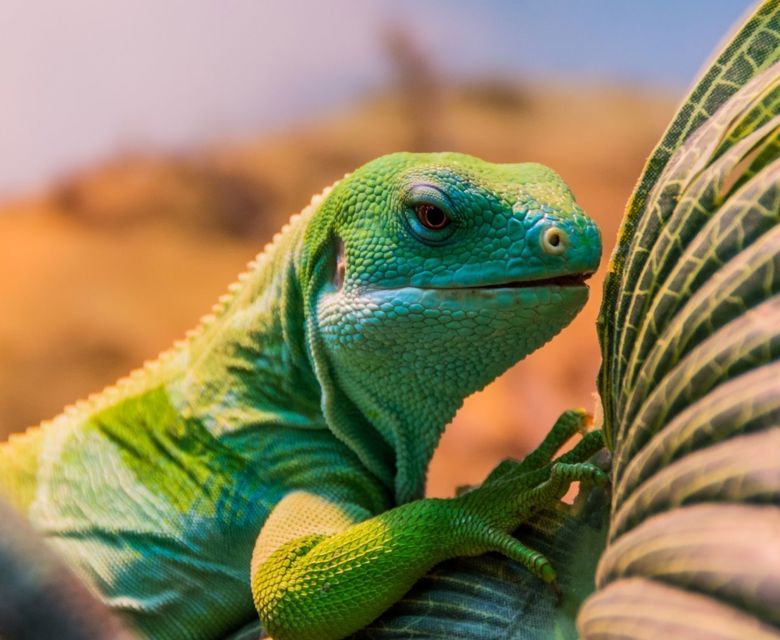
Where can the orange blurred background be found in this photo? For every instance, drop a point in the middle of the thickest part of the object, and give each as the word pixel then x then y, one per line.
pixel 103 268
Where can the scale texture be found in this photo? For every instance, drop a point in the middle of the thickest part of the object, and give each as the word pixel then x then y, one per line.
pixel 291 431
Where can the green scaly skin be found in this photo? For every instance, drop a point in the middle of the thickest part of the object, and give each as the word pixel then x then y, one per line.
pixel 295 425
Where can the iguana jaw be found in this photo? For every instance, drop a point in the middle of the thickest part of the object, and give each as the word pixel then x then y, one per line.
pixel 568 280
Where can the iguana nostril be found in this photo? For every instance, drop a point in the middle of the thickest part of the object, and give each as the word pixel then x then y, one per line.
pixel 554 241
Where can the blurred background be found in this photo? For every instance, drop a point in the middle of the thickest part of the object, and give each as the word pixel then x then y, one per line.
pixel 149 149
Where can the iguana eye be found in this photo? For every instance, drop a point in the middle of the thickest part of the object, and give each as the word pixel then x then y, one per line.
pixel 429 214
pixel 431 217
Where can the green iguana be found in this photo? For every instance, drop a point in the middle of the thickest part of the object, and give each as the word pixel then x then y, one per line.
pixel 299 418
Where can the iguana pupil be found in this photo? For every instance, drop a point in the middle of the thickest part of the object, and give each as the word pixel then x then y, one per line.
pixel 431 216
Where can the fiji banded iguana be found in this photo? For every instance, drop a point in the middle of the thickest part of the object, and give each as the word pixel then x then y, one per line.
pixel 307 407
pixel 690 384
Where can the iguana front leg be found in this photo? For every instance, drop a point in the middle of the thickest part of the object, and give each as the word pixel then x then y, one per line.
pixel 339 569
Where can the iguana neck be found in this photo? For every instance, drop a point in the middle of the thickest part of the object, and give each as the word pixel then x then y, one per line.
pixel 257 361
pixel 247 365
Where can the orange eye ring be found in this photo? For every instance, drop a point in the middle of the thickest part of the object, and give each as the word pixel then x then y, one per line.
pixel 431 217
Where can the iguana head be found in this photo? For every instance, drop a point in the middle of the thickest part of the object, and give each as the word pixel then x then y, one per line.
pixel 440 272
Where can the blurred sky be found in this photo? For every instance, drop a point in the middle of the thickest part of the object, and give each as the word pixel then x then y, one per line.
pixel 83 80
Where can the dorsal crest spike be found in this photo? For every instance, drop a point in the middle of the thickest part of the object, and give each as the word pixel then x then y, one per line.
pixel 138 377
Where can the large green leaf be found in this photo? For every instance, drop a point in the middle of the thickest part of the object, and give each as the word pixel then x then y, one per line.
pixel 690 380
pixel 754 48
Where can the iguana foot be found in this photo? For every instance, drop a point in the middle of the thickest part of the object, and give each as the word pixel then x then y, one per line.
pixel 501 507
pixel 516 489
pixel 566 426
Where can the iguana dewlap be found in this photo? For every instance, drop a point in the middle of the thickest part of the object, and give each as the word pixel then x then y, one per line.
pixel 305 410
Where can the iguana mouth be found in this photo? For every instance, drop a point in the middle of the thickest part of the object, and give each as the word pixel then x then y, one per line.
pixel 569 280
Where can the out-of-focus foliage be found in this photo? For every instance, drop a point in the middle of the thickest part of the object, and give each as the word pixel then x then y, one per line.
pixel 39 596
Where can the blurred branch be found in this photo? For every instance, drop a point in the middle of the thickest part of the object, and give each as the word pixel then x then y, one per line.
pixel 192 192
pixel 418 85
